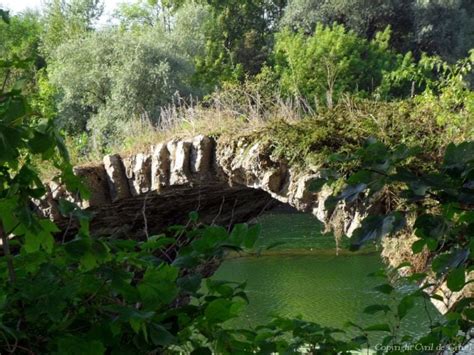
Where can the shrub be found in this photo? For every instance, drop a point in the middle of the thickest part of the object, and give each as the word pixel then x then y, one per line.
pixel 331 62
pixel 430 74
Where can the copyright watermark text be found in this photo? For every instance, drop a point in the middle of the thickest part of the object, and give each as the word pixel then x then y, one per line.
pixel 424 347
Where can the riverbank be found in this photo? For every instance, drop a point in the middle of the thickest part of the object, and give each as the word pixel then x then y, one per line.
pixel 370 251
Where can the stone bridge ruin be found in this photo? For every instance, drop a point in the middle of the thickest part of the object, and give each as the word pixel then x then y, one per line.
pixel 226 183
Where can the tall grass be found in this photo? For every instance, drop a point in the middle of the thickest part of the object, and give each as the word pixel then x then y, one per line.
pixel 245 109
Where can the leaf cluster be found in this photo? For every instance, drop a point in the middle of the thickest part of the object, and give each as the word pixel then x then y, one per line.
pixel 442 201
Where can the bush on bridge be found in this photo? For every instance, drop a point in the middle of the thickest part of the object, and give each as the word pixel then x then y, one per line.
pixel 331 62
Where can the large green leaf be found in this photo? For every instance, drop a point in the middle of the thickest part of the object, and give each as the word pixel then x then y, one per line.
pixel 456 279
pixel 41 143
pixel 10 141
pixel 252 235
pixel 186 261
pixel 375 308
pixel 457 156
pixel 158 286
pixel 406 303
pixel 430 226
pixel 122 284
pixel 159 335
pixel 417 247
pixel 190 283
pixel 42 238
pixel 375 227
pixel 221 310
pixel 210 239
pixel 15 111
pixel 238 234
pixel 375 154
pixel 384 288
pixel 451 260
pixel 78 248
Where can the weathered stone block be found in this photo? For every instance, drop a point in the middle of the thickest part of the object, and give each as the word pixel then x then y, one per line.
pixel 180 162
pixel 138 172
pixel 201 155
pixel 160 166
pixel 95 178
pixel 116 178
pixel 57 190
pixel 47 206
pixel 272 180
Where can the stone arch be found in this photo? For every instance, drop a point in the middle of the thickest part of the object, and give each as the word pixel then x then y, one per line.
pixel 227 182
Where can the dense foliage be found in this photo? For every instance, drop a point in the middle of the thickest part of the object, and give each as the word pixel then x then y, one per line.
pixel 439 27
pixel 441 202
pixel 96 79
pixel 331 62
pixel 103 84
pixel 67 20
pixel 329 74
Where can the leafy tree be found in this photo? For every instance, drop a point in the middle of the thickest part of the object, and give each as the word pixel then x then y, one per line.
pixel 239 38
pixel 19 41
pixel 439 27
pixel 23 137
pixel 146 12
pixel 190 22
pixel 444 28
pixel 186 21
pixel 330 62
pixel 68 19
pixel 365 18
pixel 110 77
pixel 430 75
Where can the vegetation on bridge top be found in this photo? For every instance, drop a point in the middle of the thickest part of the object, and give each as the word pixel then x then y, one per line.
pixel 315 82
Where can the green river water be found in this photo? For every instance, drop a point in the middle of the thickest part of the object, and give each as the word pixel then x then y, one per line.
pixel 305 277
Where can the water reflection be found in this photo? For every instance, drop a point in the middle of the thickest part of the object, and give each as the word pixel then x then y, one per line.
pixel 325 289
